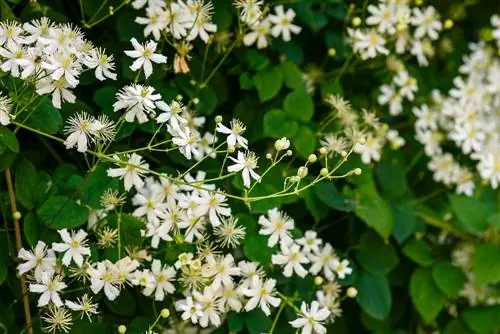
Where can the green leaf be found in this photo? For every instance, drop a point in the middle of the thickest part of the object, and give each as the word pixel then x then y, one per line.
pixel 404 221
pixel 268 83
pixel 208 101
pixel 31 228
pixel 29 187
pixel 419 251
pixel 471 212
pixel 292 75
pixel 94 185
pixel 6 12
pixel 304 141
pixel 235 322
pixel 426 297
pixel 456 326
pixel 373 210
pixel 316 208
pixel 9 139
pixel 126 28
pixel 257 322
pixel 277 124
pixel 391 178
pixel 255 247
pixel 483 319
pixel 374 295
pixel 256 60
pixel 376 256
pixel 449 279
pixel 45 118
pixel 105 97
pixel 486 264
pixel 331 87
pixel 123 305
pixel 299 105
pixel 328 194
pixel 130 228
pixel 60 212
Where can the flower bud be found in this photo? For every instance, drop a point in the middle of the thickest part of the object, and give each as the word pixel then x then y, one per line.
pixel 282 144
pixel 269 156
pixel 343 154
pixel 448 24
pixel 356 21
pixel 17 215
pixel 302 172
pixel 332 52
pixel 289 153
pixel 357 171
pixel 196 100
pixel 178 97
pixel 351 292
pixel 323 151
pixel 318 280
pixel 419 2
pixel 312 158
pixel 362 141
pixel 218 119
pixel 324 171
pixel 231 149
pixel 122 329
pixel 165 313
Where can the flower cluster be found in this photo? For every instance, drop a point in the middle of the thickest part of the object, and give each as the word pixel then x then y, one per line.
pixel 467 118
pixel 204 284
pixel 262 26
pixel 476 293
pixel 50 56
pixel 408 28
pixel 366 136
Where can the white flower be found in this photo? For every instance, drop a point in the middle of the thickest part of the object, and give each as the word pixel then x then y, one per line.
pixel 237 128
pixel 157 230
pixel 5 110
pixel 310 242
pixel 444 167
pixel 342 268
pixel 49 287
pixel 74 246
pixel 261 294
pixel 370 150
pixel 83 305
pixel 103 64
pixel 191 309
pixel 311 320
pixel 161 284
pixel 63 64
pixel 246 163
pixel 59 90
pixel 292 259
pixel 283 23
pixel 132 172
pixel 172 114
pixel 250 10
pixel 200 23
pixel 14 58
pixel 187 142
pixel 248 271
pixel 489 169
pixel 41 258
pixel 150 201
pixel 278 227
pixel 209 307
pixel 427 22
pixel 11 34
pixel 383 16
pixel 324 260
pixel 81 128
pixel 259 33
pixel 138 101
pixel 145 54
pixel 155 22
pixel 221 270
pixel 368 44
pixel 213 204
pixel 104 276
